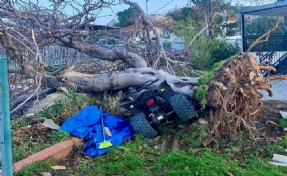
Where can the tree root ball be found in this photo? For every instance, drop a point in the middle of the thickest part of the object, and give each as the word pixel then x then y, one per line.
pixel 233 96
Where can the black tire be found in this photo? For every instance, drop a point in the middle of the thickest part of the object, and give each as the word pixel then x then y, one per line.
pixel 182 107
pixel 141 126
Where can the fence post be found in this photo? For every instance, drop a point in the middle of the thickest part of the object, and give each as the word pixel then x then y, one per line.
pixel 5 128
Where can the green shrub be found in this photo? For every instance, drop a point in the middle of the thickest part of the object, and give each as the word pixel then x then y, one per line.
pixel 205 53
pixel 15 124
pixel 282 124
pixel 283 143
pixel 202 90
pixel 66 107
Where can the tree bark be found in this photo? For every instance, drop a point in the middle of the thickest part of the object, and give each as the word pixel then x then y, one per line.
pixel 115 80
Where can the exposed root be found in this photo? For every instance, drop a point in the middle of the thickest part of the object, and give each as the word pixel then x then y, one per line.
pixel 275 77
pixel 176 139
pixel 234 98
pixel 164 144
pixel 267 88
pixel 265 67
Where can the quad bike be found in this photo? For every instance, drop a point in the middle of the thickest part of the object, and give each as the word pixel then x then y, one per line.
pixel 153 107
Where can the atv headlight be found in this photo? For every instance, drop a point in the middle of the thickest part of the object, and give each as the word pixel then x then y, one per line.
pixel 159 118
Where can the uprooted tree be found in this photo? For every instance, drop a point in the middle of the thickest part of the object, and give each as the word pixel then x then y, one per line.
pixel 26 28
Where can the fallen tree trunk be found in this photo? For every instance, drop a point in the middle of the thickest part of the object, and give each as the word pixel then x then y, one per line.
pixel 22 98
pixel 90 83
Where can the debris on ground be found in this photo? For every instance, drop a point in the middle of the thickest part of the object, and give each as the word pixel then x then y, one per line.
pixel 58 167
pixel 279 160
pixel 49 123
pixel 46 174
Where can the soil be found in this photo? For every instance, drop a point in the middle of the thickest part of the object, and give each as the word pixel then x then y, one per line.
pixel 29 133
pixel 266 124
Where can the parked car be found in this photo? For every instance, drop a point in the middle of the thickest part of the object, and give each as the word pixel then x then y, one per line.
pixel 153 107
pixel 176 52
pixel 109 42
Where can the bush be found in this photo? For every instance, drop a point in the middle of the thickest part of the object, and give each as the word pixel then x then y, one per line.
pixel 283 124
pixel 207 52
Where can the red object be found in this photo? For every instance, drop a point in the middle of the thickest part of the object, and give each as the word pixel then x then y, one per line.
pixel 150 102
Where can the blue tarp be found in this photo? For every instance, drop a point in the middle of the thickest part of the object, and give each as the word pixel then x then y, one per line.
pixel 87 125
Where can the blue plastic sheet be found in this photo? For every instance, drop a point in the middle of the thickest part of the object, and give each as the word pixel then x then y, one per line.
pixel 87 125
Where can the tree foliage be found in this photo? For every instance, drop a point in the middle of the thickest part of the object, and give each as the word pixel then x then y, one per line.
pixel 127 17
pixel 186 12
pixel 204 52
pixel 260 25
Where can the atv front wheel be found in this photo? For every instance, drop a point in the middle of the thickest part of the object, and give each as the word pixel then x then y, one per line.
pixel 141 126
pixel 182 107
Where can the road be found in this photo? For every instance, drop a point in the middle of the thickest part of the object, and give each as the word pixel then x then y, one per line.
pixel 279 88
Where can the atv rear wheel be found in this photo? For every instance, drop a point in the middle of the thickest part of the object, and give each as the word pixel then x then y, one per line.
pixel 182 107
pixel 141 126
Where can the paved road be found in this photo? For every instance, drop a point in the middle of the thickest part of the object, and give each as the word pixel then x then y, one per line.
pixel 279 88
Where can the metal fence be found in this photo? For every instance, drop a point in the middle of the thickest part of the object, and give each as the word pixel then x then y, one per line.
pixel 58 56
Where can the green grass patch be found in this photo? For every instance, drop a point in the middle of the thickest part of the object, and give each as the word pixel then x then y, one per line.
pixel 138 157
pixel 196 137
pixel 16 124
pixel 35 168
pixel 207 163
pixel 256 167
pixel 31 146
pixel 58 136
pixel 27 148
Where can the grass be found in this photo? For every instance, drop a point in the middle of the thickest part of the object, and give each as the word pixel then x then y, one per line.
pixel 27 148
pixel 35 168
pixel 19 123
pixel 139 158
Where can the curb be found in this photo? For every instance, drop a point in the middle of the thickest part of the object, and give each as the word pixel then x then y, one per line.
pixel 55 153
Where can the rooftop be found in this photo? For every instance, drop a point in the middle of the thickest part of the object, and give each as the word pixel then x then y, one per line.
pixel 274 9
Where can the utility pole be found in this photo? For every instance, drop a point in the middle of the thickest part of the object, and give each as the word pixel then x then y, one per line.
pixel 209 19
pixel 189 3
pixel 146 8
